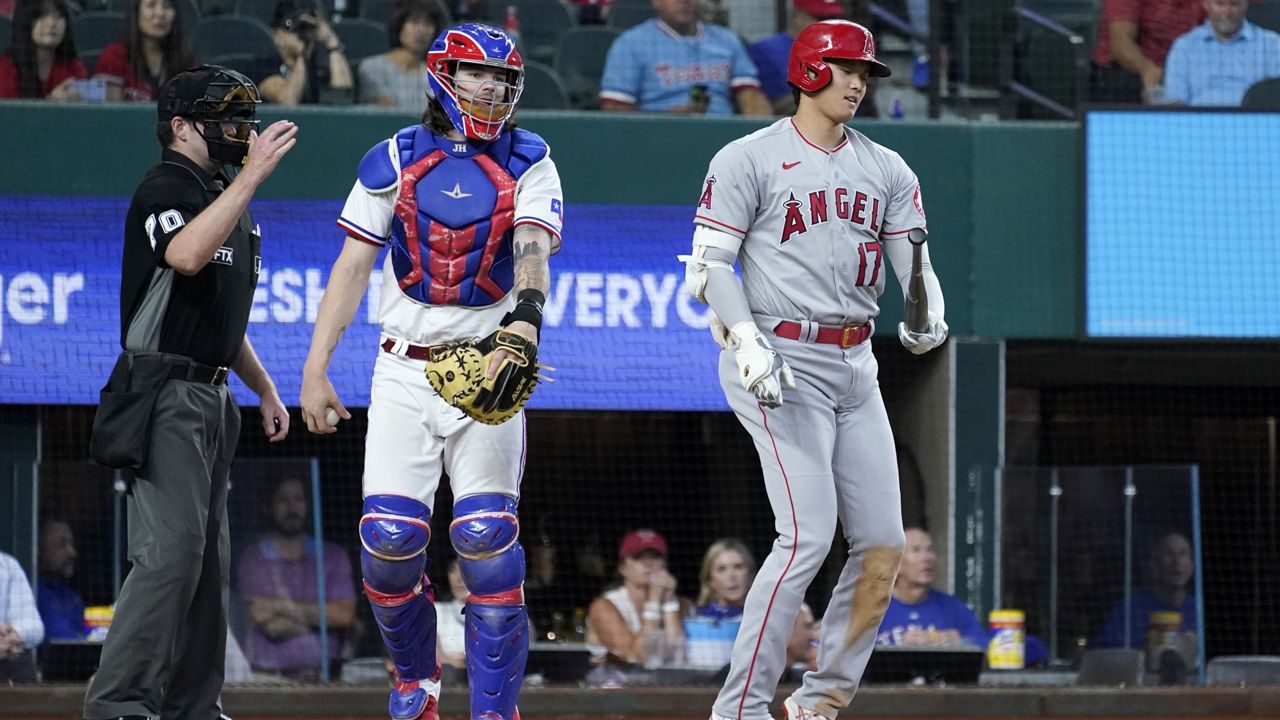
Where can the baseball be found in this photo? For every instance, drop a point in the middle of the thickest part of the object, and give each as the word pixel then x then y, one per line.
pixel 331 416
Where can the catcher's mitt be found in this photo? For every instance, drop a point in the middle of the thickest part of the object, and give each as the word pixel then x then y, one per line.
pixel 457 370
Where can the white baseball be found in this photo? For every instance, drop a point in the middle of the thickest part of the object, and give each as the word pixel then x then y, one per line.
pixel 331 416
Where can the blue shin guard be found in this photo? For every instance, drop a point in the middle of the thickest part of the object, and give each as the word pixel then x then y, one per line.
pixel 485 534
pixel 394 532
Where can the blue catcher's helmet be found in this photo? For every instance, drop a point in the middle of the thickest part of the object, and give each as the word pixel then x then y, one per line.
pixel 479 108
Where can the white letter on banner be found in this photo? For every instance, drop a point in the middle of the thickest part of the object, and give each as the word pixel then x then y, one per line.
pixel 315 291
pixel 587 312
pixel 659 296
pixel 28 294
pixel 553 311
pixel 622 294
pixel 699 317
pixel 287 306
pixel 63 286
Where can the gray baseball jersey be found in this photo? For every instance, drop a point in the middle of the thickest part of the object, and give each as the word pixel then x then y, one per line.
pixel 814 225
pixel 813 221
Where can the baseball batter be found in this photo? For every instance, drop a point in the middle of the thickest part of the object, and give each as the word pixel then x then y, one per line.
pixel 470 210
pixel 810 208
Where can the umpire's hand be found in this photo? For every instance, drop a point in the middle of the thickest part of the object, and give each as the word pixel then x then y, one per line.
pixel 267 148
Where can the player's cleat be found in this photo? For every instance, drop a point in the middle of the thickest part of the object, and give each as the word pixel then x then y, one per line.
pixel 792 711
pixel 491 716
pixel 415 699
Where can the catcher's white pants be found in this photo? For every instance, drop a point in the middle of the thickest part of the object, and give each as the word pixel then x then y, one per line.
pixel 414 436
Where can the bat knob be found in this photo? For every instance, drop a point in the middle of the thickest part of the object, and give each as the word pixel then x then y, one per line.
pixel 917 236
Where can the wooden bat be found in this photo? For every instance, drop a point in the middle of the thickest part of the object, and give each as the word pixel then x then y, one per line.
pixel 915 309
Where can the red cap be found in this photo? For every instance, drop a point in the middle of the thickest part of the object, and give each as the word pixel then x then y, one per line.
pixel 822 9
pixel 637 541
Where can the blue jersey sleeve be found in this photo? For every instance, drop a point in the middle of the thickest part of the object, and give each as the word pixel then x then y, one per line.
pixel 744 68
pixel 623 71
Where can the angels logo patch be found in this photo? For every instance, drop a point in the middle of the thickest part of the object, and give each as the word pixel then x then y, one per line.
pixel 915 199
pixel 705 200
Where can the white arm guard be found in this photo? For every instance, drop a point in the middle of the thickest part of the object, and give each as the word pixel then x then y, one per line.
pixel 711 249
pixel 899 252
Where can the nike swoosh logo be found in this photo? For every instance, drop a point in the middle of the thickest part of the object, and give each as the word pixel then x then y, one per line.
pixel 788 166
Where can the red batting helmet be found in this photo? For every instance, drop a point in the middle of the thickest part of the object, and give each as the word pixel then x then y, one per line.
pixel 830 40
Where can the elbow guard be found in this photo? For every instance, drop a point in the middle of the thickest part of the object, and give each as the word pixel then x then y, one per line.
pixel 711 249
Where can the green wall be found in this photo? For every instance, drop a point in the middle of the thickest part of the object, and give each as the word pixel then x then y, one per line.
pixel 1003 198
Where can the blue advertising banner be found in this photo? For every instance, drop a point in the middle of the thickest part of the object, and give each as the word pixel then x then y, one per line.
pixel 619 327
pixel 1182 228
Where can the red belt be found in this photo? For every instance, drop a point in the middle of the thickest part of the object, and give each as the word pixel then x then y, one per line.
pixel 845 337
pixel 415 352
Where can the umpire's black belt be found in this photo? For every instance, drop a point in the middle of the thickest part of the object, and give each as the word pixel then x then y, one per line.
pixel 192 371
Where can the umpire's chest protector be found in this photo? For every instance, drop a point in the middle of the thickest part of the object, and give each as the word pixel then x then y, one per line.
pixel 454 213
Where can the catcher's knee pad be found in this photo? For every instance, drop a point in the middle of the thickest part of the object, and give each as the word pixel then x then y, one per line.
pixel 485 533
pixel 394 532
pixel 497 649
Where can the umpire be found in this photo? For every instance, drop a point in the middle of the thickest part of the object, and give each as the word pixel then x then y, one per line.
pixel 191 259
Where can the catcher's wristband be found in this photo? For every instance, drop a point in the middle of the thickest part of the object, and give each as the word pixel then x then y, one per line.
pixel 528 308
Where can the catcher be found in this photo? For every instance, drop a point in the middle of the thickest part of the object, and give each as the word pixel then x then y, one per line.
pixel 471 210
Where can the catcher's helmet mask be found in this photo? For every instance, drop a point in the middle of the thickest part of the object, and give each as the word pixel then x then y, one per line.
pixel 474 44
pixel 807 67
pixel 215 96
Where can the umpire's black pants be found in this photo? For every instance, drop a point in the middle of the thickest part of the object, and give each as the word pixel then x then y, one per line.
pixel 164 654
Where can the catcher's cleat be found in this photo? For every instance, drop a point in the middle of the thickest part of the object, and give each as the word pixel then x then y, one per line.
pixel 491 716
pixel 792 711
pixel 415 699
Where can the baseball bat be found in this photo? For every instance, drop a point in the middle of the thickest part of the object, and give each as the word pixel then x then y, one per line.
pixel 916 307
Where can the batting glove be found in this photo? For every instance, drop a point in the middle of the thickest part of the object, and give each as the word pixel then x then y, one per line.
pixel 760 368
pixel 921 343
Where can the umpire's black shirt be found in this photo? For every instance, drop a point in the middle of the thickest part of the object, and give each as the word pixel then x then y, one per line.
pixel 202 316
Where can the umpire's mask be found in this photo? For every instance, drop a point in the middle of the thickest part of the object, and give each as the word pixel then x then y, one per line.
pixel 222 100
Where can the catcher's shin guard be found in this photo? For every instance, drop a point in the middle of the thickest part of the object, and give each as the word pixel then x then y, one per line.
pixel 394 532
pixel 485 534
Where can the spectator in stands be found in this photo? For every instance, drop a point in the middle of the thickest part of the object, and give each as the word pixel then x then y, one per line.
pixel 677 64
pixel 622 619
pixel 41 61
pixel 1217 62
pixel 61 607
pixel 20 627
pixel 277 578
pixel 920 615
pixel 770 54
pixel 727 571
pixel 1134 37
pixel 153 50
pixel 451 626
pixel 398 77
pixel 309 65
pixel 1170 569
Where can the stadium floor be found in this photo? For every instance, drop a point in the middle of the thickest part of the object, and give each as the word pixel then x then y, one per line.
pixel 878 703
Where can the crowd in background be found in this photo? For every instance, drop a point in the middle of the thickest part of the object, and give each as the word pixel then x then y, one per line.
pixel 713 57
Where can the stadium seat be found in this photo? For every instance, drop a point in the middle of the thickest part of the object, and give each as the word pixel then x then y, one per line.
pixel 542 22
pixel 1243 671
pixel 626 14
pixel 96 30
pixel 224 34
pixel 379 10
pixel 240 62
pixel 542 88
pixel 187 10
pixel 1263 95
pixel 1265 14
pixel 1112 666
pixel 6 30
pixel 260 10
pixel 90 59
pixel 362 38
pixel 580 62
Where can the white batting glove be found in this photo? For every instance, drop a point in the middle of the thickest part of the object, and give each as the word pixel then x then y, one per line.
pixel 761 369
pixel 921 343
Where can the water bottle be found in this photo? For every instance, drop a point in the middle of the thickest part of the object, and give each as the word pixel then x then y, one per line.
pixel 655 648
pixel 896 113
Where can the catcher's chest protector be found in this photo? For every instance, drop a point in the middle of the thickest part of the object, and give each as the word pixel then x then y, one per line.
pixel 451 235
